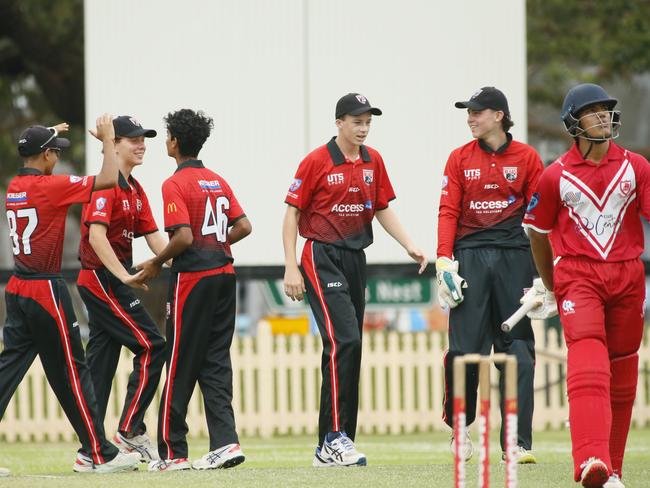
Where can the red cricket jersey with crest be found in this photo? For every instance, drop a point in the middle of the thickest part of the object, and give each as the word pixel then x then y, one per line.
pixel 592 210
pixel 338 198
pixel 484 194
pixel 36 206
pixel 199 198
pixel 125 211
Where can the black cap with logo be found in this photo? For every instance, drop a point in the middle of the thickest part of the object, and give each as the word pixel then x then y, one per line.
pixel 127 126
pixel 354 104
pixel 486 97
pixel 38 138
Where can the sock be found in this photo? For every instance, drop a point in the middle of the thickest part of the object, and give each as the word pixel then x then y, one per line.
pixel 590 415
pixel 625 373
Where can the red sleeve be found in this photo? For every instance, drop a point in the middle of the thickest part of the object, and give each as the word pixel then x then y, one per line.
pixel 65 190
pixel 642 175
pixel 451 198
pixel 235 212
pixel 100 208
pixel 302 186
pixel 535 170
pixel 146 223
pixel 545 203
pixel 385 192
pixel 174 206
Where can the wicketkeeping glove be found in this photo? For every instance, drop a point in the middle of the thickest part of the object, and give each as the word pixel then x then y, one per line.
pixel 450 283
pixel 547 306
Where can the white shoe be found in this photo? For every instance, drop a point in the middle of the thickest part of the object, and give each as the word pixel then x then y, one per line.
pixel 469 448
pixel 224 457
pixel 341 451
pixel 523 456
pixel 140 443
pixel 4 472
pixel 83 464
pixel 594 473
pixel 614 482
pixel 320 462
pixel 121 462
pixel 170 465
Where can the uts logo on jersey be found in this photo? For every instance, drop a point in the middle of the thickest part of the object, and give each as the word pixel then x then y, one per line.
pixel 510 173
pixel 295 184
pixel 368 176
pixel 100 203
pixel 472 174
pixel 75 179
pixel 335 179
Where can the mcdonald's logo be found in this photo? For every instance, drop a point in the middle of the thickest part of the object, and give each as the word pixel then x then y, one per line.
pixel 171 207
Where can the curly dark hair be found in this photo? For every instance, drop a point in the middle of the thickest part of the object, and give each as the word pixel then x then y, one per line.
pixel 506 122
pixel 190 129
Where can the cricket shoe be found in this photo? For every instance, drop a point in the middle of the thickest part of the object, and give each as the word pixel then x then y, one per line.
pixel 4 472
pixel 83 464
pixel 140 444
pixel 522 456
pixel 594 473
pixel 227 456
pixel 468 452
pixel 320 462
pixel 178 464
pixel 339 449
pixel 121 462
pixel 614 482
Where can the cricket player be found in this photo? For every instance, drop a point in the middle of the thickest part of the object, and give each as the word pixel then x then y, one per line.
pixel 338 189
pixel 203 219
pixel 586 213
pixel 110 222
pixel 486 186
pixel 40 317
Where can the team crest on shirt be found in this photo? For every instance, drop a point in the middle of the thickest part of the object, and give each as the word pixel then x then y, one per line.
pixel 625 187
pixel 510 173
pixel 368 176
pixel 100 203
pixel 75 179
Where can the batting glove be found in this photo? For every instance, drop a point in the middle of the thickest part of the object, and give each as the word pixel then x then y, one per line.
pixel 547 306
pixel 450 283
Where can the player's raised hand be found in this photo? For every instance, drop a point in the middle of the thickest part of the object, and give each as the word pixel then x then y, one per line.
pixel 104 130
pixel 418 256
pixel 294 284
pixel 62 127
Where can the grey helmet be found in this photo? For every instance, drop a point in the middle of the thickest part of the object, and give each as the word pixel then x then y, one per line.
pixel 582 96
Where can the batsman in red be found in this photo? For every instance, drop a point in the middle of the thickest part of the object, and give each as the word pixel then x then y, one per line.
pixel 585 218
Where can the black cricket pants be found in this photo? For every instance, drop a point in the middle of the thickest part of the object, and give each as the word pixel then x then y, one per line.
pixel 41 321
pixel 116 318
pixel 335 279
pixel 496 278
pixel 200 329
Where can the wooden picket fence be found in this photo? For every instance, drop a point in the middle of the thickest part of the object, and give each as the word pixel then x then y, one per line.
pixel 277 387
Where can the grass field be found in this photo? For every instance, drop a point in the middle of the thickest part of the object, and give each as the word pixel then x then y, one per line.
pixel 397 460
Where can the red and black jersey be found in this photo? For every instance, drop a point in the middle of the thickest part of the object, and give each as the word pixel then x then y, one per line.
pixel 338 198
pixel 199 198
pixel 593 210
pixel 125 210
pixel 37 205
pixel 485 194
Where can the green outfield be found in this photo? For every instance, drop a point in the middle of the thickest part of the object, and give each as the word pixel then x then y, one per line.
pixel 394 460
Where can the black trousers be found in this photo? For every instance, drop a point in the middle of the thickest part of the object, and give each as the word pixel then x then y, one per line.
pixel 200 328
pixel 496 279
pixel 335 279
pixel 116 319
pixel 41 321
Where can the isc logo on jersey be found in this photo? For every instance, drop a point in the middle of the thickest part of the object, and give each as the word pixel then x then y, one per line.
pixel 489 205
pixel 335 179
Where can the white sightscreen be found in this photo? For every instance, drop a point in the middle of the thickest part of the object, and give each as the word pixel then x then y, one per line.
pixel 270 72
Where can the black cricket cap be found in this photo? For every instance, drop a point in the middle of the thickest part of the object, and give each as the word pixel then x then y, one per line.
pixel 354 104
pixel 38 138
pixel 127 126
pixel 486 97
